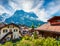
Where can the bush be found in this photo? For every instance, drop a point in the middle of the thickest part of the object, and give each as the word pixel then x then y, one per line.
pixel 30 41
pixel 25 43
pixel 8 44
pixel 0 44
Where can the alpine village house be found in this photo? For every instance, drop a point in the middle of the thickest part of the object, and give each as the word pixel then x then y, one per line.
pixel 10 31
pixel 50 29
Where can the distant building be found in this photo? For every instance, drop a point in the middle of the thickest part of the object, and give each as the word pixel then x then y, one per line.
pixel 10 31
pixel 50 29
pixel 25 31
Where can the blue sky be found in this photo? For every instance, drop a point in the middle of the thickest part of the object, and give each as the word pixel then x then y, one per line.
pixel 44 9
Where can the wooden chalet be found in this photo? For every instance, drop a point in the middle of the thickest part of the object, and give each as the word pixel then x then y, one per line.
pixel 50 29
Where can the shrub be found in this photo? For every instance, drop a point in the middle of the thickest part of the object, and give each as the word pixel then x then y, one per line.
pixel 25 43
pixel 0 44
pixel 8 44
pixel 29 41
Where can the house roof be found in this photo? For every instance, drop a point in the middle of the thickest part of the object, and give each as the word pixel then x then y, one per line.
pixel 8 25
pixel 49 27
pixel 54 18
pixel 2 25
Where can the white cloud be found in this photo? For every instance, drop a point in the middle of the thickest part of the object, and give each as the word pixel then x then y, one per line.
pixel 53 8
pixel 27 5
pixel 21 4
pixel 14 5
pixel 44 14
pixel 3 10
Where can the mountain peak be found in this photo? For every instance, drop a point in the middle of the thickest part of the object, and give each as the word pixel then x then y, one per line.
pixel 24 18
pixel 22 13
pixel 19 11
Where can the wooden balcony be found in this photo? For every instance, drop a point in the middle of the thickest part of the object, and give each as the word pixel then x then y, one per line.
pixel 55 23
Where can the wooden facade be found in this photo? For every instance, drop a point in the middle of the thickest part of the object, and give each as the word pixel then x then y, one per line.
pixel 49 34
pixel 55 20
pixel 50 29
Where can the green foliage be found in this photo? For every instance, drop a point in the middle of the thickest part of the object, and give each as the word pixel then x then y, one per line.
pixel 31 41
pixel 8 44
pixel 1 45
pixel 35 35
pixel 24 43
pixel 32 26
pixel 26 37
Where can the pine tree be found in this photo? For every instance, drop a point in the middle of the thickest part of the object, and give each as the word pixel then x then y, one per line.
pixel 32 26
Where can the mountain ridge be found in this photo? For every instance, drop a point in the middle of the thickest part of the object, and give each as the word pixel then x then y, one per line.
pixel 24 18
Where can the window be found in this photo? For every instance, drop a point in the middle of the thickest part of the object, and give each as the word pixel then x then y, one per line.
pixel 24 32
pixel 15 30
pixel 5 30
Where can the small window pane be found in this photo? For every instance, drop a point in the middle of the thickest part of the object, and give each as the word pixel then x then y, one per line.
pixel 5 30
pixel 24 32
pixel 15 30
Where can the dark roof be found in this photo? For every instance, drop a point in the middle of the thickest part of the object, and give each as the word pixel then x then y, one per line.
pixel 2 25
pixel 10 24
pixel 54 18
pixel 14 24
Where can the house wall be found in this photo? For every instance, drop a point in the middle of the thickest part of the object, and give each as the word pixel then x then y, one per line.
pixel 2 34
pixel 49 34
pixel 10 28
pixel 15 34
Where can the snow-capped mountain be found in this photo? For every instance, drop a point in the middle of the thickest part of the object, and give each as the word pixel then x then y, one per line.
pixel 24 18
